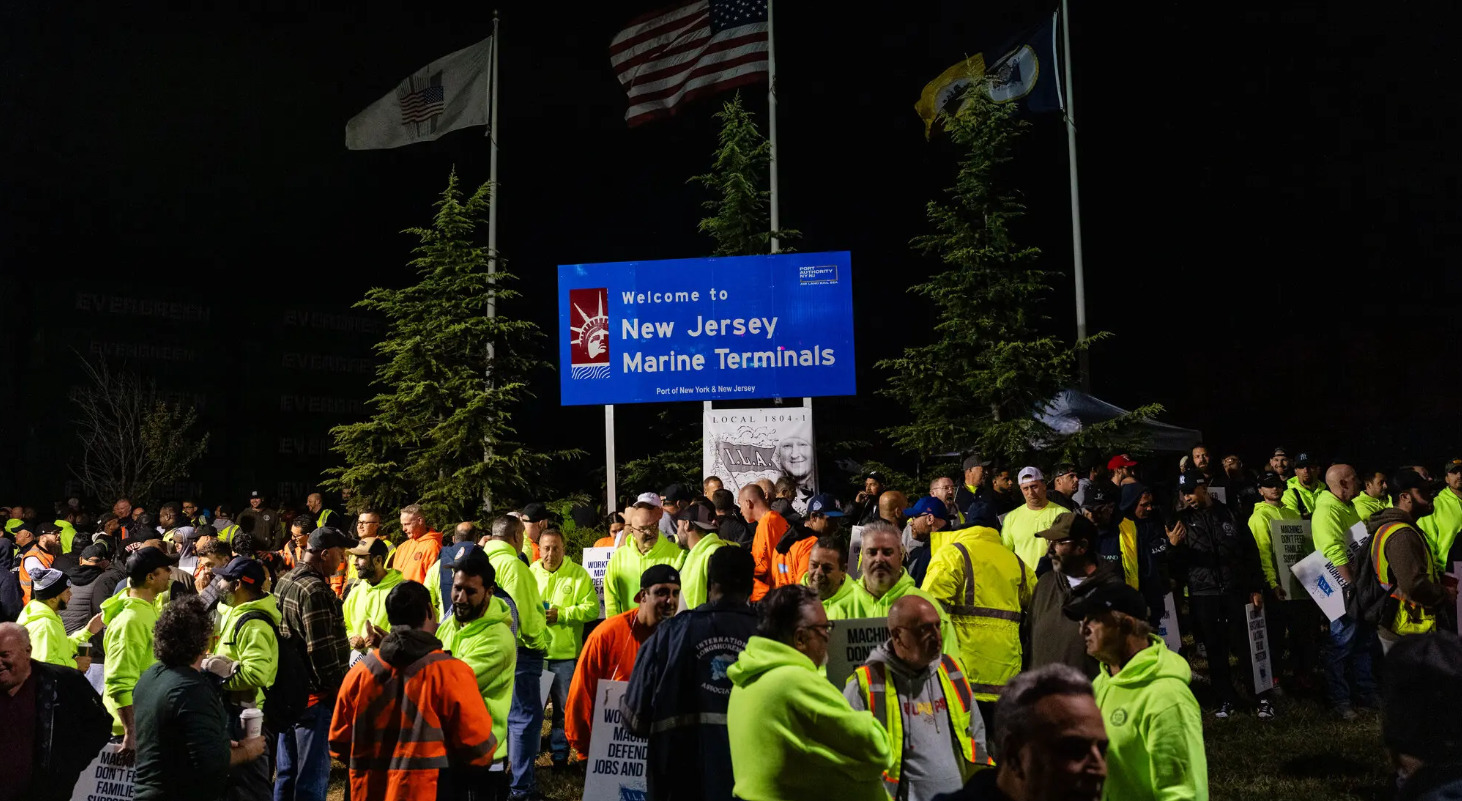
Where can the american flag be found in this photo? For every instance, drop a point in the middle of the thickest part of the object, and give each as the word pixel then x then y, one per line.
pixel 423 104
pixel 701 48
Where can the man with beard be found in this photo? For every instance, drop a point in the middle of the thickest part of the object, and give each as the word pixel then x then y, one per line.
pixel 41 554
pixel 1280 464
pixel 479 632
pixel 612 648
pixel 976 470
pixel 1064 484
pixel 770 527
pixel 1374 496
pixel 1403 563
pixel 1116 536
pixel 1443 524
pixel 884 580
pixel 827 574
pixel 926 519
pixel 864 509
pixel 48 639
pixel 247 660
pixel 93 580
pixel 129 619
pixel 1075 562
pixel 366 623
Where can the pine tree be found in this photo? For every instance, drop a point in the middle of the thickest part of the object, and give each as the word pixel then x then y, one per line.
pixel 740 219
pixel 991 366
pixel 441 430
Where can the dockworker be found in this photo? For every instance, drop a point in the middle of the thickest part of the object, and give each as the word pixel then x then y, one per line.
pixel 986 590
pixel 312 618
pixel 679 689
pixel 885 580
pixel 246 657
pixel 1075 562
pixel 923 700
pixel 365 607
pixel 1048 741
pixel 792 734
pixel 1346 655
pixel 479 632
pixel 1403 564
pixel 525 717
pixel 1443 524
pixel 770 527
pixel 1154 726
pixel 421 548
pixel 1375 495
pixel 1304 488
pixel 1292 622
pixel 1018 529
pixel 696 532
pixel 48 639
pixel 643 548
pixel 129 618
pixel 40 554
pixel 611 650
pixel 827 574
pixel 568 593
pixel 408 709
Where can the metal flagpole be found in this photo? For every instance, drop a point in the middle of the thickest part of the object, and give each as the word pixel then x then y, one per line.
pixel 492 255
pixel 1083 358
pixel 609 488
pixel 772 124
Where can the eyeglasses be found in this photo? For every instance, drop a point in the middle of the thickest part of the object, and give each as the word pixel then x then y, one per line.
pixel 825 628
pixel 921 630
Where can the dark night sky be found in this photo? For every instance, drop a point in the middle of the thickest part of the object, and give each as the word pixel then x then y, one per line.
pixel 1270 197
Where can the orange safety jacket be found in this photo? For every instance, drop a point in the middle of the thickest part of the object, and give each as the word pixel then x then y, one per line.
pixel 397 728
pixel 25 580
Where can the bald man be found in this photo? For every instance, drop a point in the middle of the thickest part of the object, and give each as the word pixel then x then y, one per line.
pixel 920 695
pixel 1347 658
pixel 770 527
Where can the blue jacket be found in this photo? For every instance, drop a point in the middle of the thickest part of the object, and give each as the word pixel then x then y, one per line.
pixel 677 697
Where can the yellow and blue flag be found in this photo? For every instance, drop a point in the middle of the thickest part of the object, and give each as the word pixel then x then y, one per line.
pixel 1026 71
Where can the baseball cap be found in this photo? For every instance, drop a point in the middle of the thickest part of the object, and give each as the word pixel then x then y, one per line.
pixel 1062 469
pixel 1070 525
pixel 975 460
pixel 242 568
pixel 876 476
pixel 1303 460
pixel 1094 597
pixel 1271 480
pixel 824 504
pixel 370 546
pixel 676 493
pixel 1100 493
pixel 1454 466
pixel 1279 452
pixel 651 498
pixel 96 551
pixel 15 524
pixel 327 537
pixel 659 574
pixel 700 517
pixel 47 583
pixel 256 494
pixel 1029 474
pixel 928 505
pixel 1121 460
pixel 104 519
pixel 534 513
pixel 146 560
pixel 463 554
pixel 46 527
pixel 1406 480
pixel 1190 481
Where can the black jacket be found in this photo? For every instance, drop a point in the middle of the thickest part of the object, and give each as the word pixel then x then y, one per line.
pixel 71 728
pixel 90 585
pixel 1055 638
pixel 182 735
pixel 980 787
pixel 1218 555
pixel 679 678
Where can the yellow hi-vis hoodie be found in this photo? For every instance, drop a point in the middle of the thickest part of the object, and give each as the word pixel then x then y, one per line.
pixel 1154 729
pixel 127 643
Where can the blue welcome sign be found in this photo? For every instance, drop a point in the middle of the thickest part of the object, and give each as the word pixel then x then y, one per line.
pixel 706 329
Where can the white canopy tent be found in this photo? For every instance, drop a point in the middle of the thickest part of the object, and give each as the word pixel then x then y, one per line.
pixel 1071 410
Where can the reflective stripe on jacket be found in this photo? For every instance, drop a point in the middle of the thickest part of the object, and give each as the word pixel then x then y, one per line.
pixel 873 681
pixel 986 589
pixel 1410 618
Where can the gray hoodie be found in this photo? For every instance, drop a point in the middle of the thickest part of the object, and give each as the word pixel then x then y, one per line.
pixel 931 760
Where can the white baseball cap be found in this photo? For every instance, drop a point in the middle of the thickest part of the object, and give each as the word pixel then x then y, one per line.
pixel 1030 474
pixel 652 498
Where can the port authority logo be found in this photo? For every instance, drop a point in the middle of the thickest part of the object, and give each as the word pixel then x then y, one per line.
pixel 589 333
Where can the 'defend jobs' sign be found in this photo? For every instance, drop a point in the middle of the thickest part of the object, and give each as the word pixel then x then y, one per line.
pixel 706 329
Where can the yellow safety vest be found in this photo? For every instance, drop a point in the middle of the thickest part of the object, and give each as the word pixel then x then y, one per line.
pixel 958 702
pixel 1410 618
pixel 1128 531
pixel 226 534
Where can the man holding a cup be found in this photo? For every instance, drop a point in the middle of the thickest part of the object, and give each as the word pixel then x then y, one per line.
pixel 247 658
pixel 49 641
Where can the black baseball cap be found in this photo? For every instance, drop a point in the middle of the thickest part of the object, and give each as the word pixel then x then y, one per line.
pixel 1279 452
pixel 876 476
pixel 534 513
pixel 1271 480
pixel 1070 525
pixel 659 574
pixel 1190 481
pixel 1454 466
pixel 1100 493
pixel 327 537
pixel 1303 460
pixel 975 460
pixel 1095 597
pixel 676 493
pixel 1062 469
pixel 1405 480
pixel 824 504
pixel 146 560
pixel 96 551
pixel 242 568
pixel 256 494
pixel 46 527
pixel 700 517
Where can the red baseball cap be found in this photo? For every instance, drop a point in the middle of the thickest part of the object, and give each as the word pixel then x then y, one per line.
pixel 1121 460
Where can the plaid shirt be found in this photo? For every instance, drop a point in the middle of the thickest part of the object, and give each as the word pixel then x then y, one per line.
pixel 312 613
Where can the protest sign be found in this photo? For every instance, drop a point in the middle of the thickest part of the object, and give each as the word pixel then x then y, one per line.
pixel 742 327
pixel 1259 649
pixel 855 554
pixel 1323 583
pixel 596 561
pixel 1358 539
pixel 849 645
pixel 109 777
pixel 545 684
pixel 1291 542
pixel 1168 627
pixel 743 445
pixel 615 769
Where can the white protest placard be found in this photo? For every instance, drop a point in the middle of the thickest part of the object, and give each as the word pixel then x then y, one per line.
pixel 615 769
pixel 855 553
pixel 596 561
pixel 1259 649
pixel 849 645
pixel 109 777
pixel 1167 627
pixel 1291 542
pixel 545 683
pixel 1323 583
pixel 1358 538
pixel 1219 494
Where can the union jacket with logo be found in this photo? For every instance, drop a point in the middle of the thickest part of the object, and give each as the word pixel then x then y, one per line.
pixel 1219 554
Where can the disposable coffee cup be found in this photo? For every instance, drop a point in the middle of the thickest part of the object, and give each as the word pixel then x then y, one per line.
pixel 253 722
pixel 83 649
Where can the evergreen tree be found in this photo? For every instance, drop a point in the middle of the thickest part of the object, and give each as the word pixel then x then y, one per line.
pixel 991 366
pixel 740 219
pixel 441 431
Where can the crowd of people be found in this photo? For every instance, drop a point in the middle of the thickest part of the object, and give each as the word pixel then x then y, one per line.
pixel 236 657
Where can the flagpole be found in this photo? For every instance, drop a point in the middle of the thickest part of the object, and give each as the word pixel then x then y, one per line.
pixel 1083 357
pixel 772 124
pixel 492 256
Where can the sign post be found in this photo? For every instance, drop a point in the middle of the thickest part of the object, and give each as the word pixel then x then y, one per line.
pixel 1168 626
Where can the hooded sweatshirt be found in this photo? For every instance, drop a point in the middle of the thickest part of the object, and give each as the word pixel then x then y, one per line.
pixel 931 754
pixel 793 736
pixel 1154 728
pixel 487 646
pixel 90 585
pixel 865 605
pixel 514 578
pixel 128 637
pixel 255 647
pixel 847 600
pixel 366 603
pixel 695 582
pixel 1055 638
pixel 48 640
